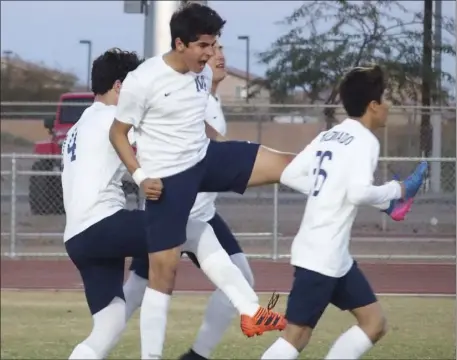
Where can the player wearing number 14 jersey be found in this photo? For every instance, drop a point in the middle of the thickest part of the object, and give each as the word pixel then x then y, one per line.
pixel 340 164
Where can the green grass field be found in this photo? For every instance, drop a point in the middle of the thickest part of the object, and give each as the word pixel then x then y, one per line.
pixel 47 325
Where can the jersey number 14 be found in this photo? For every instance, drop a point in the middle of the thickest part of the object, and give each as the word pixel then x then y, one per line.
pixel 71 146
pixel 319 172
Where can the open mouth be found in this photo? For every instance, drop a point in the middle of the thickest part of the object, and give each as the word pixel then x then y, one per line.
pixel 220 65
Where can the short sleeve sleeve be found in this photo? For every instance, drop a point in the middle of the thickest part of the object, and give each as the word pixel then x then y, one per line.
pixel 131 105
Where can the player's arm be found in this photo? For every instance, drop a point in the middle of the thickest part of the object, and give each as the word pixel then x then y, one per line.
pixel 129 113
pixel 119 137
pixel 296 174
pixel 213 134
pixel 361 190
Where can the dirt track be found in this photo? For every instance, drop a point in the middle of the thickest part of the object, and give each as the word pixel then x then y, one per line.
pixel 269 276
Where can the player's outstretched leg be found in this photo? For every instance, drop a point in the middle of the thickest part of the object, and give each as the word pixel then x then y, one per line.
pixel 218 267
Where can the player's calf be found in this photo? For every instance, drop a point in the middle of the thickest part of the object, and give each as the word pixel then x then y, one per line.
pixel 290 344
pixel 356 341
pixel 372 321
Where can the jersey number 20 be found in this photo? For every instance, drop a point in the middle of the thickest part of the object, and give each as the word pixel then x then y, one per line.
pixel 319 172
pixel 71 146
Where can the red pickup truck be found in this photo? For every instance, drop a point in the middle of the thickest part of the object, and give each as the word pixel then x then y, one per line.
pixel 45 191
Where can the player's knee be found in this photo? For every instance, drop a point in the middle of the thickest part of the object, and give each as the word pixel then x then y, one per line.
pixel 163 267
pixel 374 325
pixel 298 336
pixel 380 327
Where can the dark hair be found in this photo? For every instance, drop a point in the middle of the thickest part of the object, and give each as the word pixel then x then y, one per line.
pixel 359 87
pixel 193 20
pixel 111 66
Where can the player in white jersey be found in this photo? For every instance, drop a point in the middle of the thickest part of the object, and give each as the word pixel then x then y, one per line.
pixel 100 232
pixel 220 311
pixel 340 164
pixel 165 100
pixel 97 237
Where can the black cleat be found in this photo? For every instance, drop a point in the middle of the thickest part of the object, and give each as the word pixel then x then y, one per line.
pixel 192 355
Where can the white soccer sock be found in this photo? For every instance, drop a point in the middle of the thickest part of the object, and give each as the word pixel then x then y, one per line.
pixel 226 276
pixel 219 313
pixel 108 325
pixel 350 345
pixel 218 316
pixel 242 263
pixel 153 323
pixel 281 349
pixel 134 289
pixel 82 351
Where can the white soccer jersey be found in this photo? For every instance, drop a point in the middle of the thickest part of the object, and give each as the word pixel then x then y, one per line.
pixel 339 164
pixel 167 109
pixel 204 208
pixel 92 171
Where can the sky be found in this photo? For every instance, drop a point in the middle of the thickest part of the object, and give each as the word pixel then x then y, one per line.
pixel 50 31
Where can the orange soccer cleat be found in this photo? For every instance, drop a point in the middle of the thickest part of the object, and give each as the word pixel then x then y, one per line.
pixel 264 320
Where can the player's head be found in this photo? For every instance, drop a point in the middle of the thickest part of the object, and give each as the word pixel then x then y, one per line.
pixel 194 30
pixel 217 63
pixel 110 69
pixel 362 95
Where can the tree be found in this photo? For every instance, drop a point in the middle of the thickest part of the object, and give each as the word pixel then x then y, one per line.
pixel 326 38
pixel 27 81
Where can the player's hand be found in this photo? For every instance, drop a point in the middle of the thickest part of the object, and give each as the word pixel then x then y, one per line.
pixel 152 188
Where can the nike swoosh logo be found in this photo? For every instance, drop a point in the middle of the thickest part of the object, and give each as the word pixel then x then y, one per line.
pixel 166 94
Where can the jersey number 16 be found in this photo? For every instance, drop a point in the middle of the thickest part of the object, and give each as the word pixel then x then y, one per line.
pixel 319 172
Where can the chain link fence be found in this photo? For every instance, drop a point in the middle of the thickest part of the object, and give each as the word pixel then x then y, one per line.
pixel 265 219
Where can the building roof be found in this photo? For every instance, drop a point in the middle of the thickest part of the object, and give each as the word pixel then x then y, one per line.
pixel 242 74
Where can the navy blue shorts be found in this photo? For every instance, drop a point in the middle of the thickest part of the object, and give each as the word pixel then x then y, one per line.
pixel 223 233
pixel 312 292
pixel 227 166
pixel 99 253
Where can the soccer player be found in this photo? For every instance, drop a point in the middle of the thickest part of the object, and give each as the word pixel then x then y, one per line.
pixel 341 163
pixel 165 100
pixel 219 311
pixel 100 233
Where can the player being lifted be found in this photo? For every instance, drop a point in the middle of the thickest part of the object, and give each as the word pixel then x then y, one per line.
pixel 219 312
pixel 341 163
pixel 100 233
pixel 165 99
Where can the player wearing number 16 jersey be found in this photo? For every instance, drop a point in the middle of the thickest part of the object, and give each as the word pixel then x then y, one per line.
pixel 340 164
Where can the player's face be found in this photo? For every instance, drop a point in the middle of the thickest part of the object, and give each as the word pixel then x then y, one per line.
pixel 196 54
pixel 217 63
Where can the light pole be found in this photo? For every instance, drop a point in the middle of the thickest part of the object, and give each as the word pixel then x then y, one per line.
pixel 89 60
pixel 7 54
pixel 246 38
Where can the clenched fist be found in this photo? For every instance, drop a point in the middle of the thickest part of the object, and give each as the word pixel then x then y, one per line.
pixel 152 188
